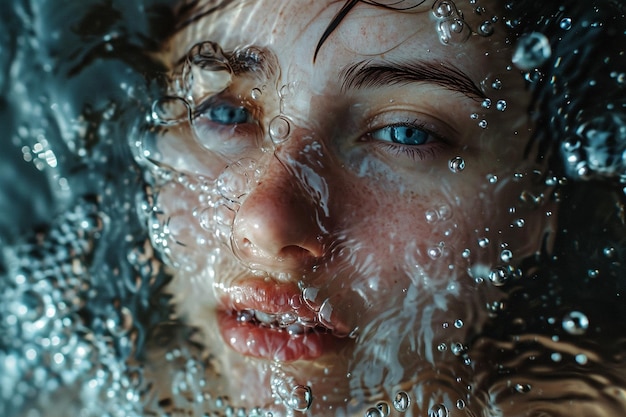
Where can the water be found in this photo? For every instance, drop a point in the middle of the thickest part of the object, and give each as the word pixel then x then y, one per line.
pixel 86 328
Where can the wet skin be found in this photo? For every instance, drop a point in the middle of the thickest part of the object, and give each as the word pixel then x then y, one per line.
pixel 353 223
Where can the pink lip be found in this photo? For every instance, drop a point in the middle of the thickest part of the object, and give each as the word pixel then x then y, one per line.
pixel 254 339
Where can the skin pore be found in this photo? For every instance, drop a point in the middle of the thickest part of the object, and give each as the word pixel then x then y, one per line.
pixel 338 226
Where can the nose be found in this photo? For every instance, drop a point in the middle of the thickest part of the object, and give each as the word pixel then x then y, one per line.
pixel 278 227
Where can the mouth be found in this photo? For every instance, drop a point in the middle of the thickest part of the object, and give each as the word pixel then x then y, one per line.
pixel 266 328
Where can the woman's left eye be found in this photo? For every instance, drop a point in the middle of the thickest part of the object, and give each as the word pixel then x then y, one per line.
pixel 226 114
pixel 402 134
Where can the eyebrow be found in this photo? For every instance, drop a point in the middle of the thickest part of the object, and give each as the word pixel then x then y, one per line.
pixel 374 74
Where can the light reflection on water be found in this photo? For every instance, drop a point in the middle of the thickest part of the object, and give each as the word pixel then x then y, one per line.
pixel 80 284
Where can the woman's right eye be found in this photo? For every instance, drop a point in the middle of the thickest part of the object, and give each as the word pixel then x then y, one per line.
pixel 225 114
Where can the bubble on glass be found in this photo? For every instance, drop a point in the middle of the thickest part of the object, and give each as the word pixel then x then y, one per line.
pixel 500 275
pixel 533 76
pixel 460 404
pixel 442 347
pixel 458 323
pixel 206 71
pixel 456 164
pixel 279 129
pixel 532 51
pixel 482 124
pixel 170 110
pixel 501 105
pixel 458 348
pixel 438 410
pixel 466 253
pixel 565 23
pixel 435 252
pixel 401 401
pixel 575 323
pixel 237 179
pixel 492 178
pixel 486 103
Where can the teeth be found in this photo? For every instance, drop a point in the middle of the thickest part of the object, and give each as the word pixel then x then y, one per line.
pixel 289 320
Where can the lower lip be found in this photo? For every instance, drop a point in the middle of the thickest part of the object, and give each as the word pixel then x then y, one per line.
pixel 273 344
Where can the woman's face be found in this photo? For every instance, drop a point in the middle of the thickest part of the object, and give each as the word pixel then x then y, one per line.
pixel 340 226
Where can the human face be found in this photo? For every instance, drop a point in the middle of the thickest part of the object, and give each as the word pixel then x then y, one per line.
pixel 333 224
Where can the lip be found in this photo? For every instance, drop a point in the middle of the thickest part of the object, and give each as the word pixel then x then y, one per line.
pixel 256 339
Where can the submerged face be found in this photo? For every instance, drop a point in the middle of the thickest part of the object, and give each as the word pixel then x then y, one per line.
pixel 339 227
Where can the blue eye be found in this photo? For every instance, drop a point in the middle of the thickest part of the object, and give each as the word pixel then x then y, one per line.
pixel 404 135
pixel 226 114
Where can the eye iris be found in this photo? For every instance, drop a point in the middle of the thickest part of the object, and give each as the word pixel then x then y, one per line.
pixel 408 135
pixel 227 115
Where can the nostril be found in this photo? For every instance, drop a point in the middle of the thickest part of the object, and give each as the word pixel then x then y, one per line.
pixel 296 252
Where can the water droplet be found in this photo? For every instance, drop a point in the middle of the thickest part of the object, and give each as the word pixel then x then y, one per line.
pixel 523 388
pixel 466 253
pixel 501 275
pixel 460 404
pixel 486 103
pixel 431 216
pixel 482 124
pixel 401 401
pixel 438 410
pixel 566 23
pixel 575 323
pixel 483 242
pixel 519 223
pixel 496 84
pixel 435 252
pixel 501 105
pixel 532 51
pixel 279 129
pixel 457 164
pixel 556 357
pixel 443 9
pixel 458 323
pixel 506 255
pixel 442 347
pixel 458 348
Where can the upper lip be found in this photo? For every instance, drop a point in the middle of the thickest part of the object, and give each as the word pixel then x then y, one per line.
pixel 272 299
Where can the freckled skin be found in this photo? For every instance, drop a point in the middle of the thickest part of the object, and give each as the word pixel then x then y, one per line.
pixel 334 210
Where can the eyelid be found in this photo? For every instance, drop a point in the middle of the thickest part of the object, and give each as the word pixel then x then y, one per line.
pixel 440 130
pixel 224 98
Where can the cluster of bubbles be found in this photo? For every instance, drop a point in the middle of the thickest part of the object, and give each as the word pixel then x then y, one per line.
pixel 47 343
pixel 451 24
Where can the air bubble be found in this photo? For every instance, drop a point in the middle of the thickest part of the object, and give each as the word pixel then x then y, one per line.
pixel 522 388
pixel 581 359
pixel 506 255
pixel 458 348
pixel 466 253
pixel 496 84
pixel 442 347
pixel 532 51
pixel 460 404
pixel 501 275
pixel 256 93
pixel 609 252
pixel 453 30
pixel 384 408
pixel 482 124
pixel 170 110
pixel 501 105
pixel 438 410
pixel 431 216
pixel 486 103
pixel 486 28
pixel 458 323
pixel 443 9
pixel 492 178
pixel 575 323
pixel 457 164
pixel 483 242
pixel 300 398
pixel 566 23
pixel 373 412
pixel 279 129
pixel 401 401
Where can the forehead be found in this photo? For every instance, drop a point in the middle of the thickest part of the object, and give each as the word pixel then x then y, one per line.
pixel 294 28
